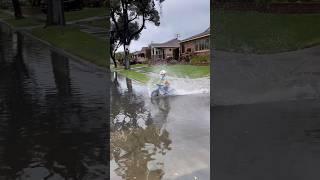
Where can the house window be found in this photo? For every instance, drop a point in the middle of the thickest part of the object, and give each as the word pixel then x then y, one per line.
pixel 182 48
pixel 202 44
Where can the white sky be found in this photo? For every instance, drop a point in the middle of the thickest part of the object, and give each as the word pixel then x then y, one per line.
pixel 183 17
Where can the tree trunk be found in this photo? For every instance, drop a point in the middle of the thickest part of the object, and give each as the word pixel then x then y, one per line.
pixel 126 58
pixel 55 13
pixel 129 84
pixel 112 55
pixel 17 9
pixel 114 59
pixel 126 36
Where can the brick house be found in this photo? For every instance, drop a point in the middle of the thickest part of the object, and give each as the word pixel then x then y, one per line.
pixel 198 44
pixel 143 55
pixel 169 49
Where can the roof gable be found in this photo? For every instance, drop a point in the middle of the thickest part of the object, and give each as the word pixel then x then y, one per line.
pixel 204 33
pixel 171 43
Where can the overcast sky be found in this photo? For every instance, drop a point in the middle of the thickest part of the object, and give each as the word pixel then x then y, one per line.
pixel 183 17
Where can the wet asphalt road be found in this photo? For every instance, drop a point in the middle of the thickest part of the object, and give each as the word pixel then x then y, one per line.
pixel 266 141
pixel 53 114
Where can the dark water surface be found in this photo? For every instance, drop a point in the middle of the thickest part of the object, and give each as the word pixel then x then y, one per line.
pixel 53 114
pixel 278 140
pixel 164 138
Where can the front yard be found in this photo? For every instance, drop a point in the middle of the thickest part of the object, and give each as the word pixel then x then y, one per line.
pixel 143 73
pixel 255 32
pixel 69 38
pixel 85 13
pixel 76 42
pixel 33 19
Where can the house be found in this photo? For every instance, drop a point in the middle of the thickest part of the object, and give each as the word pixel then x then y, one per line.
pixel 198 44
pixel 169 49
pixel 147 52
pixel 143 55
pixel 139 56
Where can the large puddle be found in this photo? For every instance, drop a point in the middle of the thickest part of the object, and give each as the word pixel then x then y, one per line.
pixel 53 114
pixel 54 117
pixel 164 138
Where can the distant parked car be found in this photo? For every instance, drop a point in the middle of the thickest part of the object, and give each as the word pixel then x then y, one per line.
pixel 69 5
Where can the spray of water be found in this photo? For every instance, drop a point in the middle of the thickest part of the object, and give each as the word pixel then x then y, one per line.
pixel 182 86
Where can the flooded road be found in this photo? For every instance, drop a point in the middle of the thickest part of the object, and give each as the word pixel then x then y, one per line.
pixel 164 138
pixel 278 140
pixel 53 114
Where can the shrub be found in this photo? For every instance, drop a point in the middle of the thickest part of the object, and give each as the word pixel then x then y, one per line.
pixel 200 59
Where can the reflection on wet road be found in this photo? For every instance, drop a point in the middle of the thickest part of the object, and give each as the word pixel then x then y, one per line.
pixel 53 114
pixel 164 138
pixel 267 141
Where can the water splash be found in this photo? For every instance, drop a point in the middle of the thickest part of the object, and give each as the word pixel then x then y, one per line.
pixel 183 86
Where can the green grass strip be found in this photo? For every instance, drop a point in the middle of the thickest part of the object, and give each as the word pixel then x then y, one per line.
pixel 254 32
pixel 85 13
pixel 182 71
pixel 143 78
pixel 76 42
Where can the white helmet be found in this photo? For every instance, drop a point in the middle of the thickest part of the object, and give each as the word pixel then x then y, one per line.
pixel 162 72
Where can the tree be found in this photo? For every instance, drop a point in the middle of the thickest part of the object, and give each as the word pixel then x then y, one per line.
pixel 55 13
pixel 115 40
pixel 17 9
pixel 126 13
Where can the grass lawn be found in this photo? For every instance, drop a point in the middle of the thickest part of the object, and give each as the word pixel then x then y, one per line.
pixel 102 23
pixel 4 15
pixel 188 71
pixel 143 78
pixel 182 71
pixel 139 65
pixel 85 13
pixel 76 42
pixel 264 33
pixel 25 22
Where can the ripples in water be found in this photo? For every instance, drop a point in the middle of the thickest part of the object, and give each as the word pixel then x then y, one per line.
pixel 53 114
pixel 164 138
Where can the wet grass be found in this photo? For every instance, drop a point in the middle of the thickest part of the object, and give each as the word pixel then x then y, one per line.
pixel 76 42
pixel 139 72
pixel 85 13
pixel 4 15
pixel 101 23
pixel 264 33
pixel 17 23
pixel 24 22
pixel 182 71
pixel 143 78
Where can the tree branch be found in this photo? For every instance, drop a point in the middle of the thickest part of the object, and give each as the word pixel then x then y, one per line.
pixel 133 18
pixel 140 29
pixel 114 20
